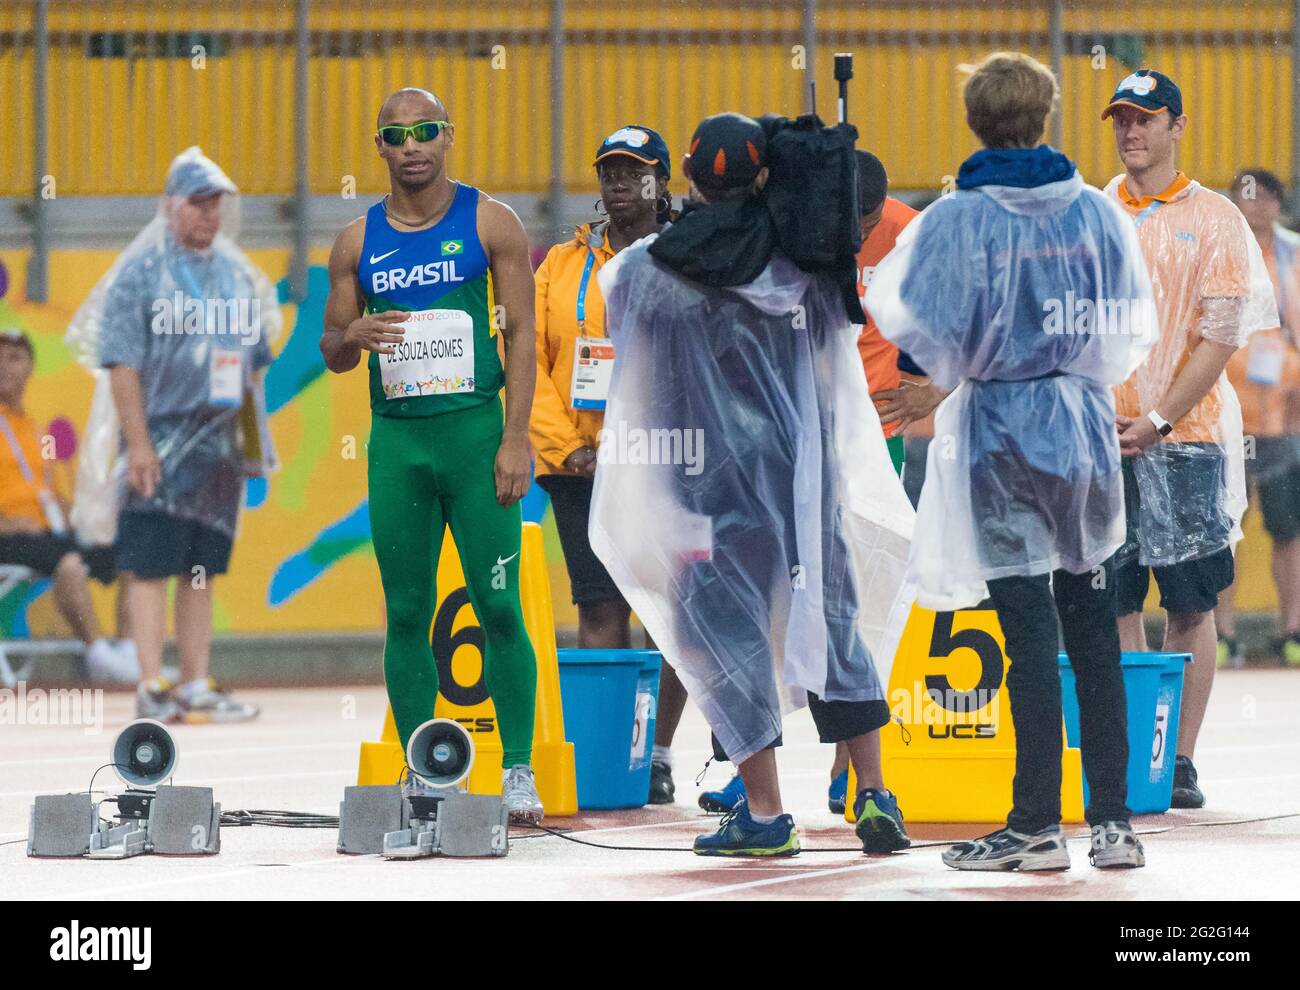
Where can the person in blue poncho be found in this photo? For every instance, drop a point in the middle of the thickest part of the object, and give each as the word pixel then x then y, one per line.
pixel 745 503
pixel 1026 292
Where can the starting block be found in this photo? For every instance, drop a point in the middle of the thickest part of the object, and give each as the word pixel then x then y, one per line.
pixel 454 824
pixel 458 649
pixel 953 758
pixel 151 817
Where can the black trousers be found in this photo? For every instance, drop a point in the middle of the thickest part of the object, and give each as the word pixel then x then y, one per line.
pixel 1027 609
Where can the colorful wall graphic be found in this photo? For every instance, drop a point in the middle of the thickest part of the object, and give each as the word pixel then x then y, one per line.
pixel 302 559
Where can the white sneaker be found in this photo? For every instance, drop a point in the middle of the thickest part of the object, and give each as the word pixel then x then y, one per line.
pixel 155 700
pixel 1007 849
pixel 519 794
pixel 112 662
pixel 1115 846
pixel 208 703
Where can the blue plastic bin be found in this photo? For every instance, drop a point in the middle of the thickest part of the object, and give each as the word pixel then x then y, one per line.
pixel 1153 684
pixel 599 694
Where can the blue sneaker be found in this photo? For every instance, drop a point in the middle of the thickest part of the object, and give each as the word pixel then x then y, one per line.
pixel 740 835
pixel 838 795
pixel 880 823
pixel 724 801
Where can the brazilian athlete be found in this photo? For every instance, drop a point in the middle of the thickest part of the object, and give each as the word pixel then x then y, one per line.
pixel 425 281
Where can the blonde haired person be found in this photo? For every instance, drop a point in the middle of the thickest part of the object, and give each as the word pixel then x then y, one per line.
pixel 1028 510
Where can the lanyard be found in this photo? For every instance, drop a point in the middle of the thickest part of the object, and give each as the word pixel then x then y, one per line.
pixel 1285 257
pixel 582 290
pixel 16 447
pixel 226 287
pixel 1154 205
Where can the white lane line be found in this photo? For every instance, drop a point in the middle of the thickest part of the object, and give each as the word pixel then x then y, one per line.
pixel 750 884
pixel 201 781
pixel 579 832
pixel 195 753
pixel 1257 748
pixel 1226 781
pixel 171 881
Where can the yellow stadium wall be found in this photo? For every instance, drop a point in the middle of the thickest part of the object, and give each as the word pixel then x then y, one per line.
pixel 117 122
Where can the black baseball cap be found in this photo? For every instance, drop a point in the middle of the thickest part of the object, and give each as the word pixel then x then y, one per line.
pixel 726 151
pixel 642 143
pixel 873 183
pixel 1149 91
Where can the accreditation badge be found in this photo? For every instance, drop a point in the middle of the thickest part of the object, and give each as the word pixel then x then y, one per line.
pixel 593 364
pixel 226 378
pixel 1265 359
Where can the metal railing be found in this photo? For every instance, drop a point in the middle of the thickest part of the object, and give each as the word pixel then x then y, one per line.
pixel 99 97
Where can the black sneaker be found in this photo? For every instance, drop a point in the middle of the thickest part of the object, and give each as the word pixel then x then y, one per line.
pixel 1186 793
pixel 662 789
pixel 1006 849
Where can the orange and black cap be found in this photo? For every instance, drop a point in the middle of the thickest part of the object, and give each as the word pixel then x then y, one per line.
pixel 726 151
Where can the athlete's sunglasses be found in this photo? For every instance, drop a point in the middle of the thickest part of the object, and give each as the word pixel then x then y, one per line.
pixel 425 130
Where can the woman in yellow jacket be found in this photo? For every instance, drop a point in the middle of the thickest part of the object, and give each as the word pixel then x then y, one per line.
pixel 574 358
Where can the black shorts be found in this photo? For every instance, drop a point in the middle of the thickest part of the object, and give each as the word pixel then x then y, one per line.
pixel 571 500
pixel 151 545
pixel 836 721
pixel 1189 587
pixel 1275 469
pixel 41 552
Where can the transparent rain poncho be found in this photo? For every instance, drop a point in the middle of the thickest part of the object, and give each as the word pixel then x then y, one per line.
pixel 197 327
pixel 745 503
pixel 1030 302
pixel 1210 283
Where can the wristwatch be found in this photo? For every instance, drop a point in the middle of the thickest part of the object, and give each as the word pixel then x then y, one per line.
pixel 1162 425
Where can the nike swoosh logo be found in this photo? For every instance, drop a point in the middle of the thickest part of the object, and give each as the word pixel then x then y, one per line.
pixel 502 563
pixel 375 261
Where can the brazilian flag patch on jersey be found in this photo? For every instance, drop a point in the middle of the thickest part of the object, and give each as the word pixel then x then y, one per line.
pixel 453 247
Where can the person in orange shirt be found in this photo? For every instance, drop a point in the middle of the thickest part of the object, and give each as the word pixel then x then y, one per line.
pixel 574 360
pixel 900 388
pixel 1178 417
pixel 1266 375
pixel 33 530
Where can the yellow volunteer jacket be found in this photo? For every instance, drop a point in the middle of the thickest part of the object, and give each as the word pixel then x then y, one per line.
pixel 555 427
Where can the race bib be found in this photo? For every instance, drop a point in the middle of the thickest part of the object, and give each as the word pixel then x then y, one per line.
pixel 1265 360
pixel 226 381
pixel 435 357
pixel 593 363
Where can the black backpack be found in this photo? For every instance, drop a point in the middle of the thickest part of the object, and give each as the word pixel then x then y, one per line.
pixel 812 196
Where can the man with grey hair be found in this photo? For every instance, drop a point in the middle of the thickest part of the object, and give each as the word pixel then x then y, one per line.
pixel 181 323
